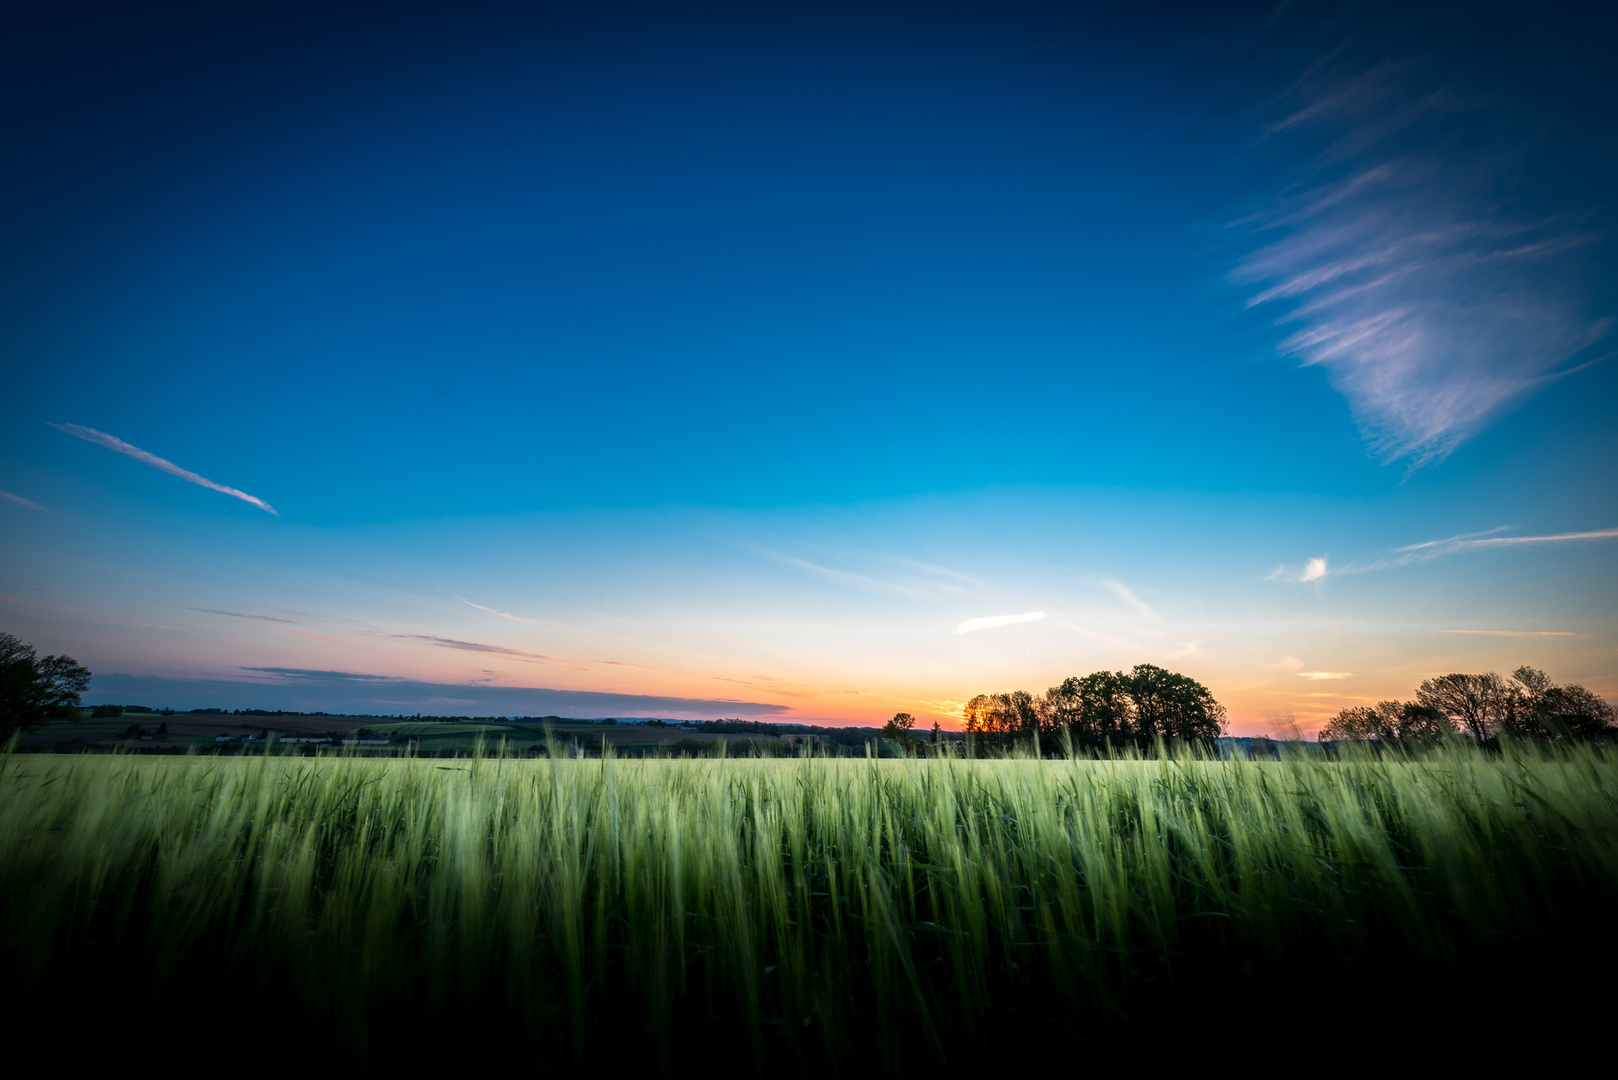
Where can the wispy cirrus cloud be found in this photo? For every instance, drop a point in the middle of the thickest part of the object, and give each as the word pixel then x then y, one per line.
pixel 1313 570
pixel 502 614
pixel 29 503
pixel 1433 301
pixel 1465 543
pixel 112 442
pixel 1478 542
pixel 1141 607
pixel 515 618
pixel 1427 550
pixel 841 577
pixel 1325 676
pixel 988 623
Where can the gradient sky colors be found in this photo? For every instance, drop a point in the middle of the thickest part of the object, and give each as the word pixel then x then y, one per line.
pixel 806 362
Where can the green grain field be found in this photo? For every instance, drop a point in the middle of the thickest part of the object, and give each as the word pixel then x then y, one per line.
pixel 794 915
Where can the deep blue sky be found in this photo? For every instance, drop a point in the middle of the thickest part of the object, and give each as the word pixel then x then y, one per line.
pixel 1315 274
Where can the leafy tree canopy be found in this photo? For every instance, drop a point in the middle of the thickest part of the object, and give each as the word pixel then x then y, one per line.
pixel 1484 706
pixel 898 730
pixel 1140 705
pixel 35 690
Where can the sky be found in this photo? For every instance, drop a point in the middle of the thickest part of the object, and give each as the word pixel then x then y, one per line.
pixel 806 362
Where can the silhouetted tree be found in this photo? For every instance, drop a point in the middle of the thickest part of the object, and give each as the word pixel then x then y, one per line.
pixel 898 730
pixel 1548 711
pixel 1000 718
pixel 1392 722
pixel 1482 704
pixel 34 690
pixel 1095 709
pixel 1527 706
pixel 1018 711
pixel 1173 706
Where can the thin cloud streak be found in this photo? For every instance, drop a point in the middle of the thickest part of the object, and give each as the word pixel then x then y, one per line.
pixel 324 676
pixel 112 442
pixel 842 577
pixel 1512 633
pixel 1140 606
pixel 974 625
pixel 1316 569
pixel 240 615
pixel 355 692
pixel 29 503
pixel 1466 543
pixel 1469 542
pixel 525 657
pixel 515 618
pixel 477 647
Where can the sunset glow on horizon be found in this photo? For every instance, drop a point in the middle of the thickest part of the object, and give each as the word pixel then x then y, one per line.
pixel 812 364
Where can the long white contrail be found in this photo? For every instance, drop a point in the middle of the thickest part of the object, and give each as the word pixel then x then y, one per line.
pixel 112 442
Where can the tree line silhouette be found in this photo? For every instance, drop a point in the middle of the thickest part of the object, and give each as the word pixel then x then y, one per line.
pixel 1138 707
pixel 1527 706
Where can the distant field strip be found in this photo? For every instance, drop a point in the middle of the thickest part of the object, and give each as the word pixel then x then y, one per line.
pixel 806 910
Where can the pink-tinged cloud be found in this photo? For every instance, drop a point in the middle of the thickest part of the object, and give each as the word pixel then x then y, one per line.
pixel 1434 304
pixel 112 442
pixel 20 501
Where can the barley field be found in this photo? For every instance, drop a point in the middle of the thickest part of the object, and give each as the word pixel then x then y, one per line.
pixel 792 915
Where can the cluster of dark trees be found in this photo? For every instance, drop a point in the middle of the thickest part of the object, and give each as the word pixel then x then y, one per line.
pixel 34 689
pixel 1121 708
pixel 112 712
pixel 1485 707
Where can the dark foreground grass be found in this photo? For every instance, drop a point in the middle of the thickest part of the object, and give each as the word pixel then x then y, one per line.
pixel 803 915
